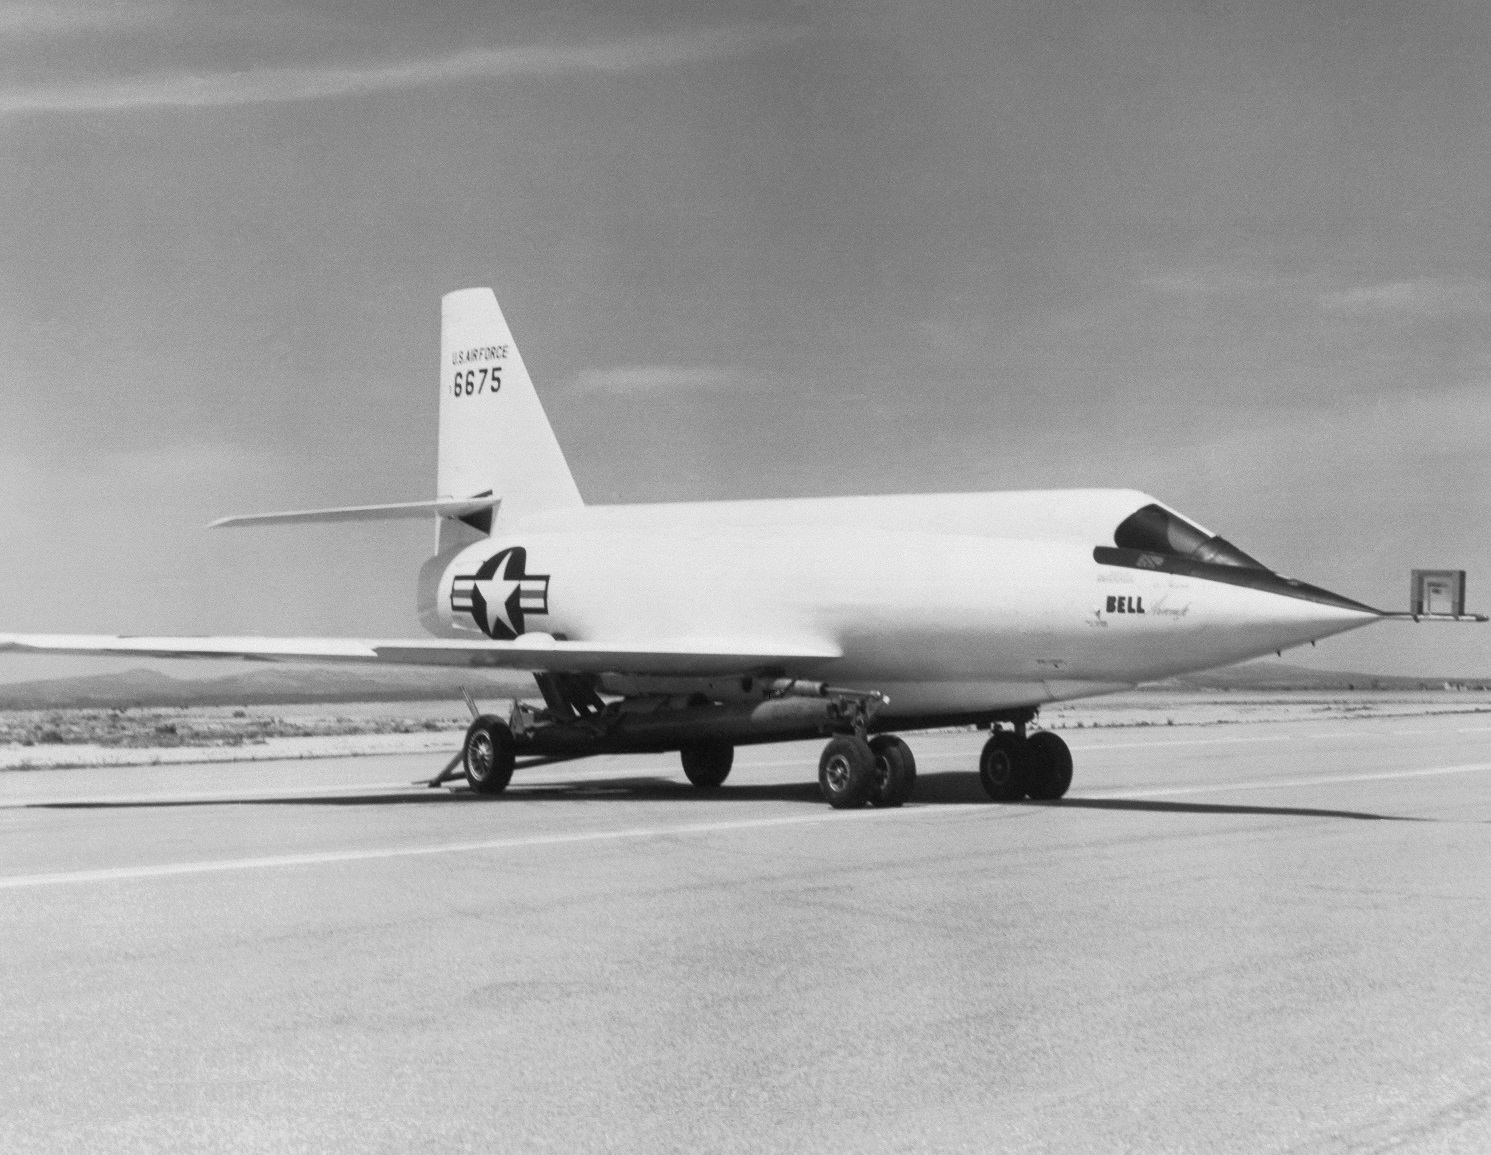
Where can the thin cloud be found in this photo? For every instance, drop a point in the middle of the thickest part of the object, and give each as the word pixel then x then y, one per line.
pixel 29 20
pixel 1192 283
pixel 1206 281
pixel 634 379
pixel 280 85
pixel 1423 297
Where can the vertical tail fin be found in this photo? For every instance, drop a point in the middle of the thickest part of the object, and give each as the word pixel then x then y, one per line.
pixel 494 435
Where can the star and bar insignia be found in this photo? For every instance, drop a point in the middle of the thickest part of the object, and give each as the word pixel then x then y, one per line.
pixel 500 594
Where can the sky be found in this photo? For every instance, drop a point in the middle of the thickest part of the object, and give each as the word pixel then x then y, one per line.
pixel 1235 255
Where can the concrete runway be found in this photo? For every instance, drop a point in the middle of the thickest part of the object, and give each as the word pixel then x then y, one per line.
pixel 1245 938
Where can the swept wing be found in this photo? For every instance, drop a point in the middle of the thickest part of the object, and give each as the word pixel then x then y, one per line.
pixel 536 652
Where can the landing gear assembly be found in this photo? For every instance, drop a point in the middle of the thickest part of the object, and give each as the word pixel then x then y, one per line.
pixel 855 769
pixel 1013 766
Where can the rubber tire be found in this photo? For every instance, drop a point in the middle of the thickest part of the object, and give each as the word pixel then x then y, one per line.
pixel 1048 766
pixel 487 755
pixel 1001 767
pixel 846 772
pixel 707 763
pixel 895 771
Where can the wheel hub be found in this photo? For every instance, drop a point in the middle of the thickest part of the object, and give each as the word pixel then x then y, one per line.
pixel 837 772
pixel 480 756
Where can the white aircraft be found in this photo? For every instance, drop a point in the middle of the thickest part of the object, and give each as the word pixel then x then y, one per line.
pixel 698 627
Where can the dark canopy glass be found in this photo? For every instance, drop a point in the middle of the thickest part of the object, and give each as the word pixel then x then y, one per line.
pixel 1155 529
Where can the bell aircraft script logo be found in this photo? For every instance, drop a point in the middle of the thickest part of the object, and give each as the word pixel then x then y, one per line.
pixel 500 594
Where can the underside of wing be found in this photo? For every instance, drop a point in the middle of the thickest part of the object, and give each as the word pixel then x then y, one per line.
pixel 536 652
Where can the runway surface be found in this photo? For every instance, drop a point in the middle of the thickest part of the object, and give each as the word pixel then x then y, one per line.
pixel 1244 938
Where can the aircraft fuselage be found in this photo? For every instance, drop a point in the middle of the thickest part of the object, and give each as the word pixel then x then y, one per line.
pixel 946 604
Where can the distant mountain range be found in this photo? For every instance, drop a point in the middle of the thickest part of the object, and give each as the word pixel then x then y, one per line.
pixel 277 685
pixel 1275 675
pixel 273 685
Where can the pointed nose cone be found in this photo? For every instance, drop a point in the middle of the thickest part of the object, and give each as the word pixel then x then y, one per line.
pixel 1289 613
pixel 1308 621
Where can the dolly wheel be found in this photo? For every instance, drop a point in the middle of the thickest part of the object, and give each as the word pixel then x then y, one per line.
pixel 846 772
pixel 895 771
pixel 707 763
pixel 1001 767
pixel 1048 766
pixel 487 755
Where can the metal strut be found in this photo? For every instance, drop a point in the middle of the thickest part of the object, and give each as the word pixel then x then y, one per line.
pixel 455 768
pixel 855 710
pixel 848 708
pixel 450 770
pixel 1017 719
pixel 799 688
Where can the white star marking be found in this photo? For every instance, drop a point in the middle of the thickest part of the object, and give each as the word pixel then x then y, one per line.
pixel 495 591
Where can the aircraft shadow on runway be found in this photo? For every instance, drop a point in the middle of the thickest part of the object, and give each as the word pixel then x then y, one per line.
pixel 629 789
pixel 1157 807
pixel 946 788
pixel 954 787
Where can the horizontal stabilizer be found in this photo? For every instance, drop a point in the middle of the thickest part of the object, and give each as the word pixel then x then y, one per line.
pixel 534 652
pixel 440 507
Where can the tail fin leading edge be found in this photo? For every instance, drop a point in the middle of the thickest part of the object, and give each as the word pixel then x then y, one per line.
pixel 494 435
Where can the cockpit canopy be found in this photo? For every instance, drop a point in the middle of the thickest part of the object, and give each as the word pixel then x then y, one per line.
pixel 1159 541
pixel 1154 529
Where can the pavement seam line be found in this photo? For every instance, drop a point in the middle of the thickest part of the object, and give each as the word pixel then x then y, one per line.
pixel 329 857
